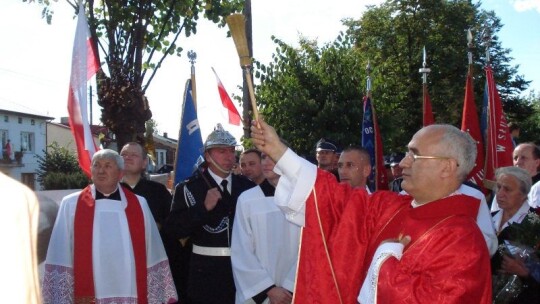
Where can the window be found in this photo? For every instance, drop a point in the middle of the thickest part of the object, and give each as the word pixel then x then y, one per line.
pixel 27 142
pixel 160 159
pixel 20 120
pixel 4 137
pixel 6 118
pixel 32 122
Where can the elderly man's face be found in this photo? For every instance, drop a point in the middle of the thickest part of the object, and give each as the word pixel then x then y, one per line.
pixel 420 176
pixel 524 159
pixel 105 174
pixel 353 168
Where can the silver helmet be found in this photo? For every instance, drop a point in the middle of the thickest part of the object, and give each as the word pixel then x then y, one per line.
pixel 219 137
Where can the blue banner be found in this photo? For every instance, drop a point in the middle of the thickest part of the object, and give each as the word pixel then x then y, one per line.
pixel 368 139
pixel 189 139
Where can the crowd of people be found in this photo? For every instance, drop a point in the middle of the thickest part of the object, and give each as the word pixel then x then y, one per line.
pixel 284 229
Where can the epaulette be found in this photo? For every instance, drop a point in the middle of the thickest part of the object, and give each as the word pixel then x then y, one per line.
pixel 191 179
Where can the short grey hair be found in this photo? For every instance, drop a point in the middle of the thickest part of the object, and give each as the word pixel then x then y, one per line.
pixel 109 154
pixel 523 177
pixel 458 145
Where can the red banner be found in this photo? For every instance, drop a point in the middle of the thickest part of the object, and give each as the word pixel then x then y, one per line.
pixel 471 125
pixel 499 145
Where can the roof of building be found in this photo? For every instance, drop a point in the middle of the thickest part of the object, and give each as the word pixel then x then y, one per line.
pixel 17 109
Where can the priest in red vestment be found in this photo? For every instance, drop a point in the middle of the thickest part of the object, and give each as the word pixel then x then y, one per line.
pixel 387 248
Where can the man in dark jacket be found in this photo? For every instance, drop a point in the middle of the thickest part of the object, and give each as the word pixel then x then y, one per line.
pixel 203 210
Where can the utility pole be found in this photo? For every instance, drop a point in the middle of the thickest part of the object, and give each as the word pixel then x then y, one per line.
pixel 90 104
pixel 246 104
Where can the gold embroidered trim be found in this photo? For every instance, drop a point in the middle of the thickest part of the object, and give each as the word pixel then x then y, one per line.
pixel 326 246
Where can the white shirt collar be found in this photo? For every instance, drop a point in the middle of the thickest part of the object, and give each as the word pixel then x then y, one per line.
pixel 516 218
pixel 218 179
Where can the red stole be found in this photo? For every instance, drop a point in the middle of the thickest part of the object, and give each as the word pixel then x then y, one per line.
pixel 83 236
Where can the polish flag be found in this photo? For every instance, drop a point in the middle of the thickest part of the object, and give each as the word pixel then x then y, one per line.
pixel 84 66
pixel 234 116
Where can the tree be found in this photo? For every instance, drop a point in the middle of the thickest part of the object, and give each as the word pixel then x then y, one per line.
pixel 309 81
pixel 312 92
pixel 528 119
pixel 58 168
pixel 135 37
pixel 393 36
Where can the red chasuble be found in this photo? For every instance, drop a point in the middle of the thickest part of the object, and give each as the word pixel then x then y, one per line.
pixel 447 260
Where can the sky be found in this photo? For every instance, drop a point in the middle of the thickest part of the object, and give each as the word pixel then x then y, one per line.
pixel 35 58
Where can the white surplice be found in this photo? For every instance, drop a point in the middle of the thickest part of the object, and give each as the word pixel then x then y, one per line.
pixel 112 255
pixel 264 248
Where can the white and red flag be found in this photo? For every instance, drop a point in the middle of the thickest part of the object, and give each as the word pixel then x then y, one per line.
pixel 234 116
pixel 84 66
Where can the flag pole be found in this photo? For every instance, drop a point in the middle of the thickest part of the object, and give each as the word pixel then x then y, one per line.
pixel 470 122
pixel 470 47
pixel 424 70
pixel 192 56
pixel 189 144
pixel 368 79
pixel 371 139
pixel 487 41
pixel 427 117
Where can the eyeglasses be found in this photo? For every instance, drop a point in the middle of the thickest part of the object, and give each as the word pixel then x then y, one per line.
pixel 415 157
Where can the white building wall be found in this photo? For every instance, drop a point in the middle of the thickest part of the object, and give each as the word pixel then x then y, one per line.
pixel 17 123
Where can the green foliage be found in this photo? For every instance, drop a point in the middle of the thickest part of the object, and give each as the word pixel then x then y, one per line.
pixel 60 181
pixel 312 92
pixel 58 168
pixel 528 118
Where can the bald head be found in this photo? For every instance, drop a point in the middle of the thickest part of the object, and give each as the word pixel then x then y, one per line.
pixel 438 160
pixel 354 166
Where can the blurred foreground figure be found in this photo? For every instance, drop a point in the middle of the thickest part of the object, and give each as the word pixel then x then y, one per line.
pixel 19 225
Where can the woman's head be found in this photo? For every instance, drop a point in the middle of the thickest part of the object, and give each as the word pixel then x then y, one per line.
pixel 513 185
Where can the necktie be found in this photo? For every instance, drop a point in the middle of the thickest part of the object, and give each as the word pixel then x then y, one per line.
pixel 225 190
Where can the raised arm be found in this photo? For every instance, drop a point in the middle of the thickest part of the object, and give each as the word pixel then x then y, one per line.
pixel 267 140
